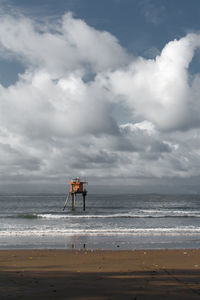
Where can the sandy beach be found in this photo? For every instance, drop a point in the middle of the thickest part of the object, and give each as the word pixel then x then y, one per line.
pixel 86 274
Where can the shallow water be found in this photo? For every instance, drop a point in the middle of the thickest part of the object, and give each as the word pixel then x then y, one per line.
pixel 109 222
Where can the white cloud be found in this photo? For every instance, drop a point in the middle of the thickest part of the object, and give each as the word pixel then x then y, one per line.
pixel 54 123
pixel 60 48
pixel 158 89
pixel 145 126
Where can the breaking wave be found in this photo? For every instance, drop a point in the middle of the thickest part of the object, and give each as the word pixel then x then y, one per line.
pixel 172 231
pixel 139 214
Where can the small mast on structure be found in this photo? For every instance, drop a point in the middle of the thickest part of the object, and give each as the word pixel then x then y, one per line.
pixel 76 187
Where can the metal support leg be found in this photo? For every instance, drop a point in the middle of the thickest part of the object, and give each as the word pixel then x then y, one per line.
pixel 73 201
pixel 84 202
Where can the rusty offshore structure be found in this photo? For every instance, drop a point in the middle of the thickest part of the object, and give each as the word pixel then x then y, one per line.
pixel 76 187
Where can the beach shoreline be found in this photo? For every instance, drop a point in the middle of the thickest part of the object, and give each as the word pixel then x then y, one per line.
pixel 100 274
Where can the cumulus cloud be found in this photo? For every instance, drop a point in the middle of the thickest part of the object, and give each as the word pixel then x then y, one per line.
pixel 60 48
pixel 159 89
pixel 62 116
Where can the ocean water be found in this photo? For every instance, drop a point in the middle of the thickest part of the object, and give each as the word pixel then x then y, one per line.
pixel 109 222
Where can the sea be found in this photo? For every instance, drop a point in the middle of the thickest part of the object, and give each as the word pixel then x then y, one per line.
pixel 110 222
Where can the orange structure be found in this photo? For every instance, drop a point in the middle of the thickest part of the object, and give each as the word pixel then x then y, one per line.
pixel 76 187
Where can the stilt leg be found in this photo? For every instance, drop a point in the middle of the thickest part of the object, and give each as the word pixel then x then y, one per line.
pixel 83 202
pixel 73 201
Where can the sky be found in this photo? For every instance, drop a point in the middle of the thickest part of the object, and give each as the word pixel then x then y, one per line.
pixel 105 90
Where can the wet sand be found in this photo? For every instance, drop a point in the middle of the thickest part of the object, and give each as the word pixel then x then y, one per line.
pixel 64 274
